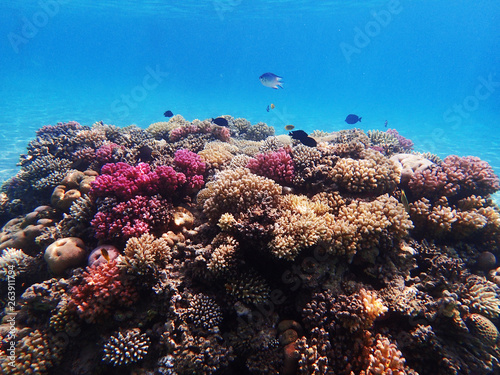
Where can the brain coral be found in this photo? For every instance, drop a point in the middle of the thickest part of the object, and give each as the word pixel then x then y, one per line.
pixel 237 190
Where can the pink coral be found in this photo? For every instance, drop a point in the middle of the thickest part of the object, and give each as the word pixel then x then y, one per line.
pixel 193 167
pixel 219 132
pixel 125 181
pixel 462 176
pixel 275 165
pixel 132 218
pixel 103 288
pixel 104 154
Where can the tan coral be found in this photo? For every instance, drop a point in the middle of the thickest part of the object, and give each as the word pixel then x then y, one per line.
pixel 385 359
pixel 235 191
pixel 145 254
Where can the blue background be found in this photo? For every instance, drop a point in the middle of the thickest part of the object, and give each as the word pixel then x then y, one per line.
pixel 418 60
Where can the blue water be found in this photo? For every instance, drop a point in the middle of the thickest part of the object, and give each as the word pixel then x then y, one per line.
pixel 431 69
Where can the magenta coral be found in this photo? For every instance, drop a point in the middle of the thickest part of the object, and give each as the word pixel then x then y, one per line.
pixel 125 181
pixel 103 288
pixel 456 175
pixel 104 154
pixel 277 165
pixel 193 167
pixel 132 218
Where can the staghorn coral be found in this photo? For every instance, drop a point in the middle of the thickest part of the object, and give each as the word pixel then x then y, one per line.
pixel 126 347
pixel 235 191
pixel 105 289
pixel 145 254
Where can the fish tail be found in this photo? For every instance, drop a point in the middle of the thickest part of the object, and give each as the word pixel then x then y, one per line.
pixel 360 119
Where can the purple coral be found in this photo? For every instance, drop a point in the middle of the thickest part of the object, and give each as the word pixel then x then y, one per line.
pixel 193 167
pixel 456 175
pixel 405 143
pixel 277 165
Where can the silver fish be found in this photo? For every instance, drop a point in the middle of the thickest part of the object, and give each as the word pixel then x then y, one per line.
pixel 271 80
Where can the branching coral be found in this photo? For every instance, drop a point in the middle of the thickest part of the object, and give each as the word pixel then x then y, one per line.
pixel 126 347
pixel 145 254
pixel 274 165
pixel 204 313
pixel 235 191
pixel 104 290
pixel 385 359
pixel 13 262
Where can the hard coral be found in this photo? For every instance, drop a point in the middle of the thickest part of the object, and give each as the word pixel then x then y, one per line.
pixel 235 191
pixel 192 166
pixel 277 166
pixel 126 347
pixel 104 289
pixel 145 254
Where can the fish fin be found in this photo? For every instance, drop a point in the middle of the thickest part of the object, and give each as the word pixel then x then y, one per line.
pixel 359 119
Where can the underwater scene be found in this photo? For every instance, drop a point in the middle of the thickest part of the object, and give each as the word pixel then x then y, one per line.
pixel 249 187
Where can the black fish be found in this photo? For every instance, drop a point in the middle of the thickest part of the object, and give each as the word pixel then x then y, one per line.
pixel 352 119
pixel 302 136
pixel 221 121
pixel 298 134
pixel 168 114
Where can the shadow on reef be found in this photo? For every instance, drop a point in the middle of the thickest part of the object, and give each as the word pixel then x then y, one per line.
pixel 191 248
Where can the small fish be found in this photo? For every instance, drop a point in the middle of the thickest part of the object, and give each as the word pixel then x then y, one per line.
pixel 145 153
pixel 168 114
pixel 267 108
pixel 221 121
pixel 271 80
pixel 289 127
pixel 271 106
pixel 385 123
pixel 302 136
pixel 105 254
pixel 404 200
pixel 352 119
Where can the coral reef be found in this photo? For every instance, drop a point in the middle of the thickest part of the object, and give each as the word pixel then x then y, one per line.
pixel 228 250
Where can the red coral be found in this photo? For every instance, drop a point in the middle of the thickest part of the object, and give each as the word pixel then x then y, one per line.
pixel 192 166
pixel 103 289
pixel 125 181
pixel 275 165
pixel 132 218
pixel 462 176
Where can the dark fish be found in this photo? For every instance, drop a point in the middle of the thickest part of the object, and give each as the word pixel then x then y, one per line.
pixel 271 80
pixel 298 134
pixel 145 153
pixel 352 119
pixel 385 123
pixel 267 109
pixel 168 114
pixel 302 136
pixel 221 121
pixel 404 200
